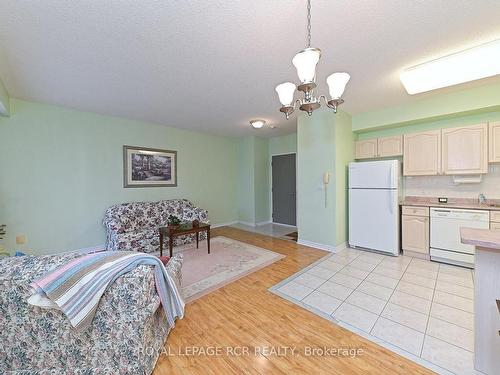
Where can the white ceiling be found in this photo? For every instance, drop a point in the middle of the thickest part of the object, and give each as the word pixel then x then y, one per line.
pixel 213 65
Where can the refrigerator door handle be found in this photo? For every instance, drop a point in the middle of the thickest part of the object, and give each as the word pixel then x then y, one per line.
pixel 391 203
pixel 392 179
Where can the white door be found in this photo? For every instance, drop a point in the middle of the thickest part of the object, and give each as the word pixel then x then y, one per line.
pixel 373 219
pixel 374 174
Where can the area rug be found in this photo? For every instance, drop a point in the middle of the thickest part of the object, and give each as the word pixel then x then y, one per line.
pixel 229 260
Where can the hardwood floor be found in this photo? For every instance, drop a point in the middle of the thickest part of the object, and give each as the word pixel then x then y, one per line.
pixel 244 314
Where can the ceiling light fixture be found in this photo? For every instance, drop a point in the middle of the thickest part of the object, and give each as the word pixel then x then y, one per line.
pixel 305 62
pixel 257 124
pixel 469 65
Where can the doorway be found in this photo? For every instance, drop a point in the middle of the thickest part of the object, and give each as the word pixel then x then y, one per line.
pixel 284 193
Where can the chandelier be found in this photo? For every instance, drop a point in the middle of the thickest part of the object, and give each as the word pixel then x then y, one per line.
pixel 305 62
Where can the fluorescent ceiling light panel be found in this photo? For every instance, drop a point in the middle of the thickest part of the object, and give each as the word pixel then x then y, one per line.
pixel 469 65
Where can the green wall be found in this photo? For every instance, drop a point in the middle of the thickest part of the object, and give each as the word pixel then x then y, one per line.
pixel 60 169
pixel 284 144
pixel 458 120
pixel 344 154
pixel 316 155
pixel 431 107
pixel 325 143
pixel 246 186
pixel 253 180
pixel 4 100
pixel 262 203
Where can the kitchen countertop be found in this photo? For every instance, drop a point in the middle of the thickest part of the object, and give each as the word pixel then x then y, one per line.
pixel 481 237
pixel 486 281
pixel 466 203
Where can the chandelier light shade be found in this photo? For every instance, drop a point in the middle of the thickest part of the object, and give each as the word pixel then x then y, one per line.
pixel 285 93
pixel 336 84
pixel 305 62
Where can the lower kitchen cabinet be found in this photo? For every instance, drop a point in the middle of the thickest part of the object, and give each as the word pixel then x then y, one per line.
pixel 415 235
pixel 495 220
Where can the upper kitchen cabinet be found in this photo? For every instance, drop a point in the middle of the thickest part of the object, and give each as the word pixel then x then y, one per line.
pixel 422 153
pixel 366 149
pixel 494 142
pixel 390 146
pixel 465 150
pixel 379 147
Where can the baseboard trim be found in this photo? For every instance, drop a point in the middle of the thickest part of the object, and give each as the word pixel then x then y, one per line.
pixel 263 222
pixel 317 245
pixel 223 224
pixel 284 225
pixel 247 223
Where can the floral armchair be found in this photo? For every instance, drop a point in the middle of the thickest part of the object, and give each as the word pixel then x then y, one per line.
pixel 126 335
pixel 134 226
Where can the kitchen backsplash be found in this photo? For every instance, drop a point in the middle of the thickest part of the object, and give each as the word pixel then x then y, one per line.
pixel 443 186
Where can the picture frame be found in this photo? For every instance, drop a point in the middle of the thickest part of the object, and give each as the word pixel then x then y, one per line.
pixel 149 167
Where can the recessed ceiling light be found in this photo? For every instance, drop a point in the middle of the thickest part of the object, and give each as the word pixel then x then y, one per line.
pixel 257 124
pixel 465 66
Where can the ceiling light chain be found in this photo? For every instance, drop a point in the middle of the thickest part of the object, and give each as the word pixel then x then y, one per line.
pixel 305 62
pixel 308 23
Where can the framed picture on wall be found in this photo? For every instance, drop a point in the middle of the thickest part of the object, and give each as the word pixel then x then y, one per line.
pixel 149 167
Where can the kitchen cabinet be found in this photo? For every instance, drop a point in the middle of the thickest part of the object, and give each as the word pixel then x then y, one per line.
pixel 415 211
pixel 495 220
pixel 495 216
pixel 465 150
pixel 415 231
pixel 390 146
pixel 494 142
pixel 422 153
pixel 366 149
pixel 494 226
pixel 379 147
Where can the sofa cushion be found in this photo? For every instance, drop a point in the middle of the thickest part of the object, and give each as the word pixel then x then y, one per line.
pixel 134 226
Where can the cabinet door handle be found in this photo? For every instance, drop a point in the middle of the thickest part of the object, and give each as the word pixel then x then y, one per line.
pixel 498 307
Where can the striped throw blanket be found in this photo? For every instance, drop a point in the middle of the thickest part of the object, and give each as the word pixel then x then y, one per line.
pixel 77 287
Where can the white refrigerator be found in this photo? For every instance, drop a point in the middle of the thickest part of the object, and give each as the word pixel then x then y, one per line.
pixel 373 205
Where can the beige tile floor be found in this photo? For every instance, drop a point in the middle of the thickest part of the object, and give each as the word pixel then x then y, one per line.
pixel 419 307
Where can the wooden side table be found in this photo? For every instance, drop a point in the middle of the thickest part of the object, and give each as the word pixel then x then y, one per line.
pixel 173 232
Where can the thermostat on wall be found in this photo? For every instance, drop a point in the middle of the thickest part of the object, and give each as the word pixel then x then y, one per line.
pixel 443 200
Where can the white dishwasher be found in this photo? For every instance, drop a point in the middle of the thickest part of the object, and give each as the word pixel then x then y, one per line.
pixel 445 234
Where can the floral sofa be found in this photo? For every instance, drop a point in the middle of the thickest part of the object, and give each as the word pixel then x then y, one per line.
pixel 134 226
pixel 126 335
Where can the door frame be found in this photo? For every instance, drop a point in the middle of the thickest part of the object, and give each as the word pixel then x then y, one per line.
pixel 271 188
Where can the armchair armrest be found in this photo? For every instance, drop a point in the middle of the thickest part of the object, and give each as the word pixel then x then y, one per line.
pixel 174 267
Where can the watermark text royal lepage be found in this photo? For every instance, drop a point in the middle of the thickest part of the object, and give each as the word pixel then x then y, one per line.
pixel 267 351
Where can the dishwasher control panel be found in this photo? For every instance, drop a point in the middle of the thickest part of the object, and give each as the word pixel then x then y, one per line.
pixel 460 214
